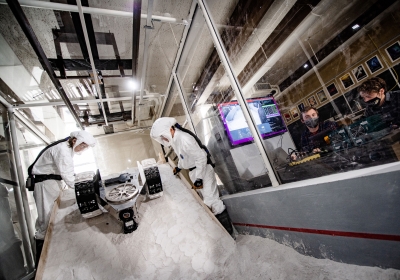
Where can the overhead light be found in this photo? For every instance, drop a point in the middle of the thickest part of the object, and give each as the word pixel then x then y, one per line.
pixel 133 84
pixel 355 26
pixel 305 65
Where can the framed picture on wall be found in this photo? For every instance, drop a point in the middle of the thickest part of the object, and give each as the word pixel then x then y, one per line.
pixel 332 89
pixel 312 101
pixel 346 80
pixel 294 112
pixel 374 64
pixel 287 116
pixel 321 96
pixel 359 72
pixel 394 51
pixel 301 106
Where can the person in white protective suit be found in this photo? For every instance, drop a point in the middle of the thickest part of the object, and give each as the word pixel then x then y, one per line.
pixel 55 164
pixel 167 132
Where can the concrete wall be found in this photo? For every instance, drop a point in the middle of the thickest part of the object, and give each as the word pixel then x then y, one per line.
pixel 352 217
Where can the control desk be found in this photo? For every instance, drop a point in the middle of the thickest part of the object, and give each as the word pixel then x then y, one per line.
pixel 351 148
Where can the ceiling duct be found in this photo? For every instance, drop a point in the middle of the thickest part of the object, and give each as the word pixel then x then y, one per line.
pixel 264 89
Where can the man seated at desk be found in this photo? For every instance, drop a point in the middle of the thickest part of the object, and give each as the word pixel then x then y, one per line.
pixel 312 139
pixel 379 101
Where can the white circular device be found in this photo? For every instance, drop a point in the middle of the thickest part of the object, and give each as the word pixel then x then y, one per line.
pixel 122 193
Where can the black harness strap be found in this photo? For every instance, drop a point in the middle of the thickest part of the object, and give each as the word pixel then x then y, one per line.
pixel 209 161
pixel 41 153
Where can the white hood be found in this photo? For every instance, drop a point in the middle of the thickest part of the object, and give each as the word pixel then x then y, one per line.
pixel 83 136
pixel 161 127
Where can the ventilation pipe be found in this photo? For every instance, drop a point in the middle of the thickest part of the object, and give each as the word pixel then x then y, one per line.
pixel 148 27
pixel 91 10
pixel 137 8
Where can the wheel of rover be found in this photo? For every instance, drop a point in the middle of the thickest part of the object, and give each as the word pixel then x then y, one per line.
pixel 122 193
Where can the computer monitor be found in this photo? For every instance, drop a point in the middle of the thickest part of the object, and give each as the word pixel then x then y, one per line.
pixel 265 112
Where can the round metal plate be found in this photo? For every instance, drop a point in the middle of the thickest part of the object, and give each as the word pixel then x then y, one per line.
pixel 122 193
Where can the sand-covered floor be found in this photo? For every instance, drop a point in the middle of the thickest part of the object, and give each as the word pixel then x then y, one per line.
pixel 176 239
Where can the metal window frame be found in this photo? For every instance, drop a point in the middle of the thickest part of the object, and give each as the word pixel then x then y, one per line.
pixel 223 55
pixel 21 198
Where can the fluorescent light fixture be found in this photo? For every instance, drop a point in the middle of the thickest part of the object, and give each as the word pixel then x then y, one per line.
pixel 355 26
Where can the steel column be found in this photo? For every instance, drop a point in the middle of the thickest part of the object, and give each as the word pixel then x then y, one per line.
pixel 21 200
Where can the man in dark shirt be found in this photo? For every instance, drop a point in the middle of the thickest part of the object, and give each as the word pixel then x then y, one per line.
pixel 381 102
pixel 312 139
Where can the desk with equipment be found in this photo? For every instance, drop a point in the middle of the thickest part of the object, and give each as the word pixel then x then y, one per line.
pixel 365 143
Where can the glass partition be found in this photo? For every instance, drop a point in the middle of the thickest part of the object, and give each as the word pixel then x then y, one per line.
pixel 239 167
pixel 13 263
pixel 314 69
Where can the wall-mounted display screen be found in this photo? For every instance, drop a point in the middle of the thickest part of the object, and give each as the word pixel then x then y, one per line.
pixel 265 113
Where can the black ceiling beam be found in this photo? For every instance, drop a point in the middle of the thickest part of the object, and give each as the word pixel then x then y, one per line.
pixel 57 45
pixel 102 38
pixel 137 9
pixel 83 65
pixel 79 31
pixel 371 13
pixel 33 40
pixel 88 77
pixel 110 39
pixel 111 117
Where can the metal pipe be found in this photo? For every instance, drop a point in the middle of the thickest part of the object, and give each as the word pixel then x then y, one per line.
pixel 90 10
pixel 96 81
pixel 148 27
pixel 27 28
pixel 178 55
pixel 137 7
pixel 80 101
pixel 32 128
pixel 223 55
pixel 183 100
pixel 21 199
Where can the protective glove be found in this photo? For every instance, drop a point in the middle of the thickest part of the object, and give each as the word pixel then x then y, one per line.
pixel 198 184
pixel 176 170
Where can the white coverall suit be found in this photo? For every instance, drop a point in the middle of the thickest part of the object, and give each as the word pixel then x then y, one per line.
pixel 56 160
pixel 190 155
